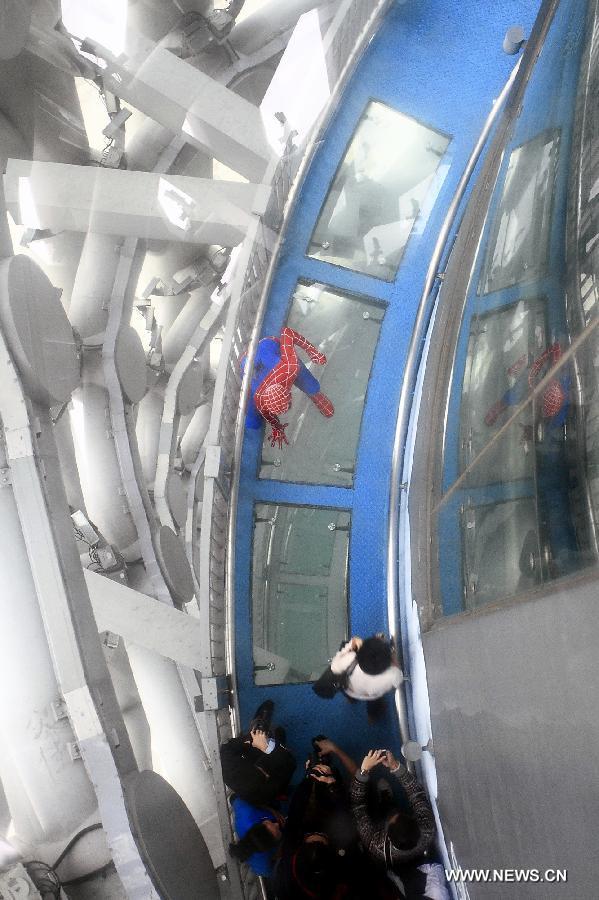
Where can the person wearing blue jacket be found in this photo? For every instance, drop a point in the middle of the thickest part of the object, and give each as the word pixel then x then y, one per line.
pixel 259 832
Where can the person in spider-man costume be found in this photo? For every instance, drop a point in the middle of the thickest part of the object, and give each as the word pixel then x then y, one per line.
pixel 277 368
pixel 555 399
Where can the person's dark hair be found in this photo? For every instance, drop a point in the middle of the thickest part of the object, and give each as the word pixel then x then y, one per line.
pixel 256 840
pixel 374 656
pixel 403 831
pixel 313 870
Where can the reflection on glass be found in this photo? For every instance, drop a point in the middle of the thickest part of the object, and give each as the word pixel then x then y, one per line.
pixel 501 551
pixel 503 347
pixel 346 329
pixel 519 244
pixel 389 177
pixel 529 505
pixel 299 591
pixel 516 505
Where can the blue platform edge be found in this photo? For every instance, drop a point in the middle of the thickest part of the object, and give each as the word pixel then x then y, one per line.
pixel 443 64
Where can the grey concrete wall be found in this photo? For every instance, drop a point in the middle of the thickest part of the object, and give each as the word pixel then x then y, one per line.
pixel 515 710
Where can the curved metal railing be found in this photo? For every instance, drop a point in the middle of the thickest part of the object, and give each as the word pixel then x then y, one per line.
pixel 421 324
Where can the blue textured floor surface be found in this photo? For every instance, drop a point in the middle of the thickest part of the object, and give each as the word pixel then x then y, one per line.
pixel 440 62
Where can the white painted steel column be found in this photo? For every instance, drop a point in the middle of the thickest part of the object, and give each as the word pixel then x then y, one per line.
pixel 195 434
pixel 46 606
pixel 147 429
pixel 97 459
pixel 177 751
pixel 269 21
pixel 49 794
pixel 179 334
pixel 163 207
pixel 88 310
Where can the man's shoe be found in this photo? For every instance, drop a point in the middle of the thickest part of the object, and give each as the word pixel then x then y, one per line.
pixel 263 715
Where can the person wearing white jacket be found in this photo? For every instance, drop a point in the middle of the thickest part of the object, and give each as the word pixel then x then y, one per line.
pixel 374 671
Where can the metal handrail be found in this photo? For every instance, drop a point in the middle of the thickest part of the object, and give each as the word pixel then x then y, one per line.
pixel 423 315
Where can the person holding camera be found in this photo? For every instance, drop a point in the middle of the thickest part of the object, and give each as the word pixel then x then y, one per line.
pixel 258 766
pixel 320 855
pixel 320 803
pixel 403 842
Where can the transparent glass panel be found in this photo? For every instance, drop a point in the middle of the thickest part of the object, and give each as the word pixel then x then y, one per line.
pixel 346 328
pixel 501 550
pixel 390 177
pixel 501 349
pixel 530 483
pixel 299 591
pixel 515 473
pixel 550 530
pixel 519 244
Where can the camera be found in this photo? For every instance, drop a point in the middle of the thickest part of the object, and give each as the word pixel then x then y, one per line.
pixel 314 760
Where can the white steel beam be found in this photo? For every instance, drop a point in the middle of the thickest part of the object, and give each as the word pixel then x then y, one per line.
pixel 131 204
pixel 144 621
pixel 190 103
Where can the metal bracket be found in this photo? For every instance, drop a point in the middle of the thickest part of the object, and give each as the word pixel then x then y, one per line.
pixel 212 461
pixel 59 709
pixel 74 750
pixel 111 640
pixel 222 873
pixel 5 477
pixel 267 667
pixel 216 694
pixel 337 467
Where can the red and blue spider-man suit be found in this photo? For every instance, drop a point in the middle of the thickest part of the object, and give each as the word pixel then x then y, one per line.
pixel 555 399
pixel 276 368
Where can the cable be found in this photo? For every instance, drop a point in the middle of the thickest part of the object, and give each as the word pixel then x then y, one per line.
pixel 74 840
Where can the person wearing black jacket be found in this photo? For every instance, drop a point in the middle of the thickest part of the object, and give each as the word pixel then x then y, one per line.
pixel 320 855
pixel 257 768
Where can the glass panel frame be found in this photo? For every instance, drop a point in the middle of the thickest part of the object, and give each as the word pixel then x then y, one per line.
pixel 323 451
pixel 377 198
pixel 479 421
pixel 485 576
pixel 517 250
pixel 299 590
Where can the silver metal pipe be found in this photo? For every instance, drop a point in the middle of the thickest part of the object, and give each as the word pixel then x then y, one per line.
pixel 409 380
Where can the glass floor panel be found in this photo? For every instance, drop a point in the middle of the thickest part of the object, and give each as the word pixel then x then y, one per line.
pixel 346 328
pixel 299 591
pixel 389 178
